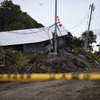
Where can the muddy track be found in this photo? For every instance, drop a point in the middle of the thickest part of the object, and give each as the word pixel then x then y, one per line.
pixel 49 90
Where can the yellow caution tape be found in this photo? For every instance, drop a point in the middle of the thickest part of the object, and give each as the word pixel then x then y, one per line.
pixel 45 77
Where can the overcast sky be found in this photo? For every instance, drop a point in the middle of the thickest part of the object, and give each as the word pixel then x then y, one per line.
pixel 70 12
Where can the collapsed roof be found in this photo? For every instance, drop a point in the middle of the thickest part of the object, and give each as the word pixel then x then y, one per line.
pixel 27 36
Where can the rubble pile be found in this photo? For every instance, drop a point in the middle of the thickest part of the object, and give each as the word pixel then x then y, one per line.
pixel 16 62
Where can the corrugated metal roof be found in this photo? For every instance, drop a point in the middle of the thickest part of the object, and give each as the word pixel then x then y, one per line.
pixel 28 36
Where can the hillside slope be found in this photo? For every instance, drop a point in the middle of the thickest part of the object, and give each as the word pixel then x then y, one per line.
pixel 13 18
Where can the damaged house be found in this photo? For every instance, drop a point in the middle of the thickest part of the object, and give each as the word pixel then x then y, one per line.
pixel 29 40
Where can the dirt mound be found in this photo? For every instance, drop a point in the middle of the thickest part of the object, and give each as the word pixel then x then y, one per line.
pixel 17 62
pixel 61 63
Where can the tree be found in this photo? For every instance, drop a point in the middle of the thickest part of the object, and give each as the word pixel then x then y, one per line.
pixel 78 42
pixel 16 26
pixel 69 40
pixel 91 38
pixel 12 18
pixel 73 42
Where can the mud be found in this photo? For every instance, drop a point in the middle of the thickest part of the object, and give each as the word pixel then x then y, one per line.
pixel 51 90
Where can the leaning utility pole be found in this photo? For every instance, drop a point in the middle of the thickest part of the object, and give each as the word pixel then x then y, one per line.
pixel 55 38
pixel 87 37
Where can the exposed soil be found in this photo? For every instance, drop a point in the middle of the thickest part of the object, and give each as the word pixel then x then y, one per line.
pixel 16 62
pixel 51 90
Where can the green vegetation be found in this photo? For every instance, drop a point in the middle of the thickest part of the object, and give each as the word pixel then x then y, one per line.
pixel 16 61
pixel 73 42
pixel 91 39
pixel 94 56
pixel 12 18
pixel 78 42
pixel 23 61
pixel 89 54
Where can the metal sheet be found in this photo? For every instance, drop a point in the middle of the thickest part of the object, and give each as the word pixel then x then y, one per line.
pixel 28 36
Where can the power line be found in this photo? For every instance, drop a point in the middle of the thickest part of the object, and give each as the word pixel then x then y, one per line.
pixel 27 33
pixel 39 35
pixel 46 30
pixel 80 22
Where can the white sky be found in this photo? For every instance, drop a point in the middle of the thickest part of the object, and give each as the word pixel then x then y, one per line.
pixel 70 12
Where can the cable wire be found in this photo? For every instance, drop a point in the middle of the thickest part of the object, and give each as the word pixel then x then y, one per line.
pixel 80 22
pixel 39 35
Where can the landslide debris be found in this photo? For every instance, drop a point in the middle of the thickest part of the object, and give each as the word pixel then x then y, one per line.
pixel 17 62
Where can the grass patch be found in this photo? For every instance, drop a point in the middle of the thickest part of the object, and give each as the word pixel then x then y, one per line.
pixel 23 61
pixel 89 54
pixel 94 56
